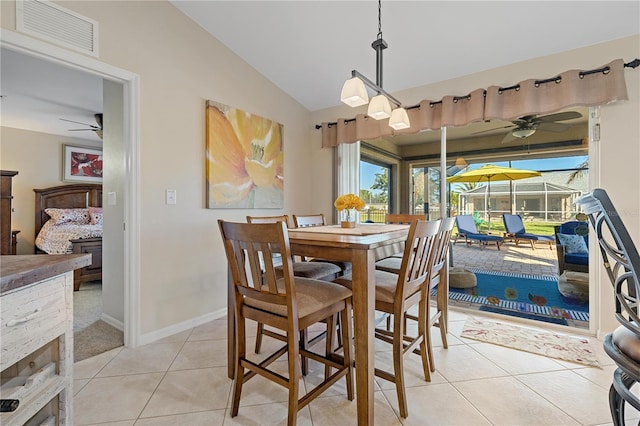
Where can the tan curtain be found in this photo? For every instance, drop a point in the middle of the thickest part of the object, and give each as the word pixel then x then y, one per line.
pixel 569 89
pixel 428 115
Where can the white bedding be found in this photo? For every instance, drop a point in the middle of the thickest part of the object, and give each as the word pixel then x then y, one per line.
pixel 54 239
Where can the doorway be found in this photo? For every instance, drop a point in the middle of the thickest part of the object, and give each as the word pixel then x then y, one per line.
pixel 127 186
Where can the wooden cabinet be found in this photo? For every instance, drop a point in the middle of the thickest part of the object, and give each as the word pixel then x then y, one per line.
pixel 7 245
pixel 36 337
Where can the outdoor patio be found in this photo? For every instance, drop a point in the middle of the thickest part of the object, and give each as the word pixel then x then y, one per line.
pixel 509 259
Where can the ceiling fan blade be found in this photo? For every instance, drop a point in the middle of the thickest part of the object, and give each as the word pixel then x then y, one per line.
pixel 77 122
pixel 98 118
pixel 83 130
pixel 561 116
pixel 508 138
pixel 551 126
pixel 491 130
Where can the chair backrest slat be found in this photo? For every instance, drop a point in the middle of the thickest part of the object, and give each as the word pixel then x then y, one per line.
pixel 305 221
pixel 439 259
pixel 402 218
pixel 414 268
pixel 250 250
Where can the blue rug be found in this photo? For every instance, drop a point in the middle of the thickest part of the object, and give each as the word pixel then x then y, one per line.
pixel 524 296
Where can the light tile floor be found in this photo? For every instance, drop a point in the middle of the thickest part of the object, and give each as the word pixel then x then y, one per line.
pixel 182 380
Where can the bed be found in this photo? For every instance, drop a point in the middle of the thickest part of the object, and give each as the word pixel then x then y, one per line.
pixel 65 199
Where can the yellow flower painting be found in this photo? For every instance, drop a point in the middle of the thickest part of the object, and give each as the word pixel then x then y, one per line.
pixel 245 160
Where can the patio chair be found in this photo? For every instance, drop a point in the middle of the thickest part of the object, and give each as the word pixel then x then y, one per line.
pixel 514 227
pixel 572 242
pixel 467 230
pixel 622 264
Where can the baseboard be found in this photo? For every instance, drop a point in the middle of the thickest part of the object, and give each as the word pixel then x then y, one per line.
pixel 113 322
pixel 180 327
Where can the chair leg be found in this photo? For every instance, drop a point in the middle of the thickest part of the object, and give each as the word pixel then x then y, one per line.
pixel 329 347
pixel 398 364
pixel 346 329
pixel 425 343
pixel 304 343
pixel 241 346
pixel 616 406
pixel 259 332
pixel 294 377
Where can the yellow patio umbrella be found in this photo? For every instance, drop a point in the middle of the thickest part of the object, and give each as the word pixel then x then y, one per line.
pixel 489 173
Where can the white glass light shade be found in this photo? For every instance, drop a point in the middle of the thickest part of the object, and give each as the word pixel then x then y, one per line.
pixel 399 119
pixel 354 93
pixel 379 108
pixel 524 132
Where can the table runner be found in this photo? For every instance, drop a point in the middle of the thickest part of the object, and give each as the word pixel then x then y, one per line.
pixel 360 229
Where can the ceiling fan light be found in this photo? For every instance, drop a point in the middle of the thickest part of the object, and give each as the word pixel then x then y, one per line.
pixel 399 119
pixel 461 162
pixel 354 93
pixel 379 108
pixel 523 132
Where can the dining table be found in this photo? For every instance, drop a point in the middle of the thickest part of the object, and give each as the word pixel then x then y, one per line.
pixel 362 246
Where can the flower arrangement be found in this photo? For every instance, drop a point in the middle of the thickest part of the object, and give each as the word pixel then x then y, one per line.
pixel 349 202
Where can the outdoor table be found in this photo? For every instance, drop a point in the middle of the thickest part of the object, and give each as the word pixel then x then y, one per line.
pixel 361 246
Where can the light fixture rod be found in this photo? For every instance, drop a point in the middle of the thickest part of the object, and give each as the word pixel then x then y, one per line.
pixel 375 87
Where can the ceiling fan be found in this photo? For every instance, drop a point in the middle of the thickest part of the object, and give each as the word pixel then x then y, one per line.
pixel 91 127
pixel 527 125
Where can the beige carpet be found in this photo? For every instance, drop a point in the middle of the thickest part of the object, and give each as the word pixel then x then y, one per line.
pixel 553 345
pixel 92 336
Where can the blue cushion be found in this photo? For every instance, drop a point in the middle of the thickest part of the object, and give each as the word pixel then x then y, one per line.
pixel 576 227
pixel 536 237
pixel 573 244
pixel 577 259
pixel 483 237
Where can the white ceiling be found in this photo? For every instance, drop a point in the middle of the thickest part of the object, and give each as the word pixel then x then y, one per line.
pixel 36 94
pixel 308 48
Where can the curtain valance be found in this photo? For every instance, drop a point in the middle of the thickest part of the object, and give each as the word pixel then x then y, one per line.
pixel 569 89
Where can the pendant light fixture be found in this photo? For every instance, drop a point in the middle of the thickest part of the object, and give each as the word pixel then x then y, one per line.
pixel 354 91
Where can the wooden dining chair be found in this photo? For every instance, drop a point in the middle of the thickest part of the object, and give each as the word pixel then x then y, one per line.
pixel 312 220
pixel 402 218
pixel 315 270
pixel 438 280
pixel 397 293
pixel 290 304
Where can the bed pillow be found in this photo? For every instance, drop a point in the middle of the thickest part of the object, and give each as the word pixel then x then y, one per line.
pixel 573 244
pixel 95 215
pixel 60 216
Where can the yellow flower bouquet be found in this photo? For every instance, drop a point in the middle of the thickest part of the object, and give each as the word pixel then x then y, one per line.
pixel 349 202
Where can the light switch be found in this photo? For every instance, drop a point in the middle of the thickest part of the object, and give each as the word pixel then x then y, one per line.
pixel 172 196
pixel 111 198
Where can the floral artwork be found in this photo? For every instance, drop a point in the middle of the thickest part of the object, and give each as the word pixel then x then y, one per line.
pixel 245 159
pixel 82 164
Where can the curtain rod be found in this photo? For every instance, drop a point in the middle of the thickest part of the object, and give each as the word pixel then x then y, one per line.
pixel 633 64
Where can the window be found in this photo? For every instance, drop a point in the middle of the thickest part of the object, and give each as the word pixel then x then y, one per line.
pixel 375 190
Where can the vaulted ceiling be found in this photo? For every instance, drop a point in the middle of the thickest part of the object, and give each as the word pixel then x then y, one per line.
pixel 308 48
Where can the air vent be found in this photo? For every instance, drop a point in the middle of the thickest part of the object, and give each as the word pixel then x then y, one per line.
pixel 58 25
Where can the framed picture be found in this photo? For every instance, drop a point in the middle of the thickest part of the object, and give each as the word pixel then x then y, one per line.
pixel 81 164
pixel 245 160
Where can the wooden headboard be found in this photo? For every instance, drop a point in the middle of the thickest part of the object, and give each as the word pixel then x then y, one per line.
pixel 78 196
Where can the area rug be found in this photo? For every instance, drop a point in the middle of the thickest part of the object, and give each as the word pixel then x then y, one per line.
pixel 91 335
pixel 95 339
pixel 526 296
pixel 553 345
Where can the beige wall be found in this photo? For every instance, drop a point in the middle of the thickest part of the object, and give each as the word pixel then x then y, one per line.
pixel 183 269
pixel 37 157
pixel 617 170
pixel 183 266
